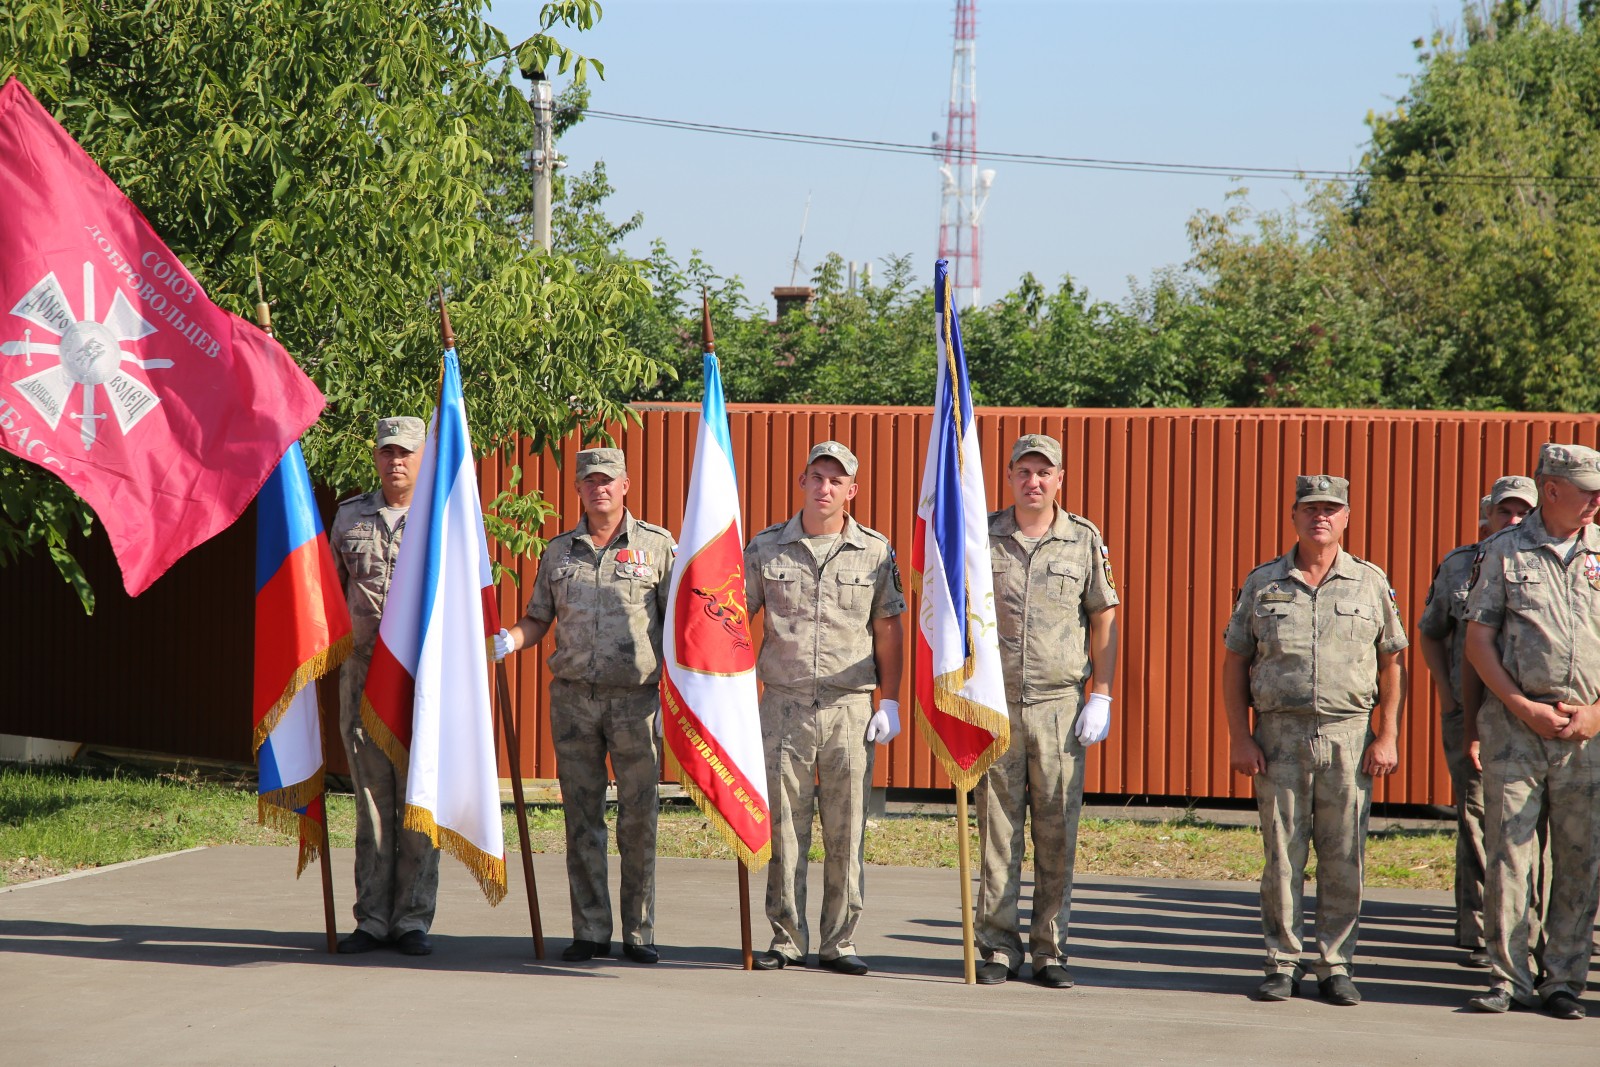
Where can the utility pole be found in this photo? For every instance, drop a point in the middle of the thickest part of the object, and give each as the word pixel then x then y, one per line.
pixel 965 187
pixel 545 160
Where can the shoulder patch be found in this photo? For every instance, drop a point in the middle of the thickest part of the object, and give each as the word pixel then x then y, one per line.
pixel 1477 566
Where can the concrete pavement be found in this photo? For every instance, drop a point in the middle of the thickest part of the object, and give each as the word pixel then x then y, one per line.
pixel 217 956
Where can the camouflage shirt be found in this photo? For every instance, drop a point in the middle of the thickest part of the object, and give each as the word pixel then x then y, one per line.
pixel 817 634
pixel 1546 611
pixel 1444 615
pixel 607 603
pixel 1315 650
pixel 1043 600
pixel 364 553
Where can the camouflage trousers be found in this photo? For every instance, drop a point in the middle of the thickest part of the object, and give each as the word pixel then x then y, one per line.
pixel 397 870
pixel 589 723
pixel 1467 783
pixel 1529 781
pixel 1313 793
pixel 1041 773
pixel 804 744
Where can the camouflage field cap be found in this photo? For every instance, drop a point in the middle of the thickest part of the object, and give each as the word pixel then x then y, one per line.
pixel 1513 487
pixel 1578 465
pixel 835 451
pixel 1320 488
pixel 607 461
pixel 1045 445
pixel 407 431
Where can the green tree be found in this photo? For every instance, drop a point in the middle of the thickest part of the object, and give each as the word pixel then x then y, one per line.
pixel 358 151
pixel 1477 229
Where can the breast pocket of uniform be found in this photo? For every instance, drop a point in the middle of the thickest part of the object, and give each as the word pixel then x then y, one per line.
pixel 1524 590
pixel 569 585
pixel 855 590
pixel 1065 579
pixel 1271 620
pixel 780 588
pixel 634 580
pixel 1359 622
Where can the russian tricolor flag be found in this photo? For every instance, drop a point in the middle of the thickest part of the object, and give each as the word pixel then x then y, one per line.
pixel 427 699
pixel 959 685
pixel 302 633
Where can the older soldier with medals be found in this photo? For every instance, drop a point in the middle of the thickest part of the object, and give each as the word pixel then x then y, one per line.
pixel 1441 637
pixel 603 587
pixel 397 870
pixel 1314 646
pixel 1056 605
pixel 1533 636
pixel 831 593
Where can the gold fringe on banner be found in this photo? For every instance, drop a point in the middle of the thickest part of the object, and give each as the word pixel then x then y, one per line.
pixel 383 737
pixel 310 842
pixel 752 860
pixel 956 706
pixel 490 871
pixel 304 675
pixel 277 810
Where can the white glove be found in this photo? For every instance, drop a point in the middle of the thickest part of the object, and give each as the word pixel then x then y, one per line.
pixel 1094 721
pixel 502 644
pixel 884 726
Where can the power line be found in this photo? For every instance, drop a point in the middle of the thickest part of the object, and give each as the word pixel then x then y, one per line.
pixel 1197 170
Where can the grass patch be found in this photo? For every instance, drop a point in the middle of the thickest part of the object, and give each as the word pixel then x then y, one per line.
pixel 58 819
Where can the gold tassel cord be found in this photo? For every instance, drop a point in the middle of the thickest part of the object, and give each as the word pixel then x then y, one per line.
pixel 490 871
pixel 305 674
pixel 753 860
pixel 310 843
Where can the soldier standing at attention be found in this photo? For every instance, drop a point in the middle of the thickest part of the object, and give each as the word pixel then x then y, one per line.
pixel 397 870
pixel 1441 635
pixel 603 586
pixel 832 635
pixel 1314 646
pixel 1533 636
pixel 1055 605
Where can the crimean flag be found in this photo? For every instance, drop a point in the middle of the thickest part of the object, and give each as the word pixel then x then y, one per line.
pixel 959 686
pixel 427 701
pixel 117 374
pixel 302 633
pixel 710 717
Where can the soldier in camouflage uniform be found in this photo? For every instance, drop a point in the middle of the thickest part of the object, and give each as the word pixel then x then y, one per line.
pixel 1533 636
pixel 1442 632
pixel 1314 645
pixel 832 634
pixel 397 870
pixel 603 586
pixel 1055 605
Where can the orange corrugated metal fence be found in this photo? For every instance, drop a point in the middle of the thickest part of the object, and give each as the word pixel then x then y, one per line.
pixel 1189 501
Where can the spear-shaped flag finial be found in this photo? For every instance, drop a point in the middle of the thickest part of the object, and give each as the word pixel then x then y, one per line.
pixel 707 344
pixel 263 309
pixel 444 321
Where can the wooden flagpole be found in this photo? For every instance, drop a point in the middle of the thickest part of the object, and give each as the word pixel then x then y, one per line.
pixel 969 965
pixel 514 764
pixel 708 345
pixel 329 922
pixel 513 748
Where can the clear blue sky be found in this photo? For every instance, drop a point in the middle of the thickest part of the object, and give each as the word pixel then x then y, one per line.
pixel 1259 83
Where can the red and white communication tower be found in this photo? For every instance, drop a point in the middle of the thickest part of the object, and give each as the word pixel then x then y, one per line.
pixel 966 188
